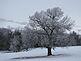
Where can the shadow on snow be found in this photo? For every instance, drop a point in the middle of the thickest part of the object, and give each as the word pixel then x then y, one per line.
pixel 35 57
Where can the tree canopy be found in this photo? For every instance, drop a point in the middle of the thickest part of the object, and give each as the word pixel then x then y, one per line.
pixel 51 23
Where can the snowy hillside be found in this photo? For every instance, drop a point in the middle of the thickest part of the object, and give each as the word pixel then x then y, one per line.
pixel 40 54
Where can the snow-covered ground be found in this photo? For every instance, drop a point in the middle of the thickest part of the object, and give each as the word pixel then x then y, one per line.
pixel 40 54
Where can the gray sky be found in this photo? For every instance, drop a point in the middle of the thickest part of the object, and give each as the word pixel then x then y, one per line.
pixel 19 10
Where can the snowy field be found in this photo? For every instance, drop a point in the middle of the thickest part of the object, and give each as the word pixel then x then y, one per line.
pixel 40 54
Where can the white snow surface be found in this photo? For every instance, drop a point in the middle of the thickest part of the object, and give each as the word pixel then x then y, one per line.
pixel 40 54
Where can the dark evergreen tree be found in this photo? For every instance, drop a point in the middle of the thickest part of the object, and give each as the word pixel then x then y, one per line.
pixel 5 35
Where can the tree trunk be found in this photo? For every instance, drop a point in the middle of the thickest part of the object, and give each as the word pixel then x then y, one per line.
pixel 49 51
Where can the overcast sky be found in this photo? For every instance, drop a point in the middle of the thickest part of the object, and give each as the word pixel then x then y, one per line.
pixel 19 10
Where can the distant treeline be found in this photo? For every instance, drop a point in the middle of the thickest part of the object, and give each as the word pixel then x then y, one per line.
pixel 17 40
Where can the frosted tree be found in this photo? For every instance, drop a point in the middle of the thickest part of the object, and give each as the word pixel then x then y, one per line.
pixel 50 23
pixel 29 38
pixel 16 41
